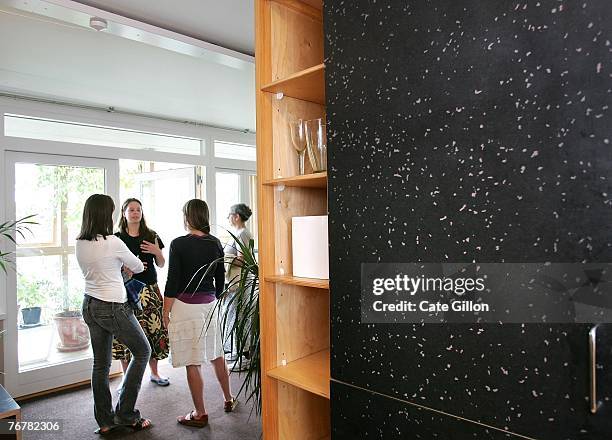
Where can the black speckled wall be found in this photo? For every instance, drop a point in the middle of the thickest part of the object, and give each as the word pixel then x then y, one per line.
pixel 466 131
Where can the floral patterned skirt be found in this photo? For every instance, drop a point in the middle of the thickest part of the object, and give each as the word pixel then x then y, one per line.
pixel 150 319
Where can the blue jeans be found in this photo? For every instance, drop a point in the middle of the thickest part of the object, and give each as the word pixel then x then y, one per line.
pixel 104 320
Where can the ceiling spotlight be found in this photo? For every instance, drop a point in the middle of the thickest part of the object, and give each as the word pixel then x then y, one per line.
pixel 98 23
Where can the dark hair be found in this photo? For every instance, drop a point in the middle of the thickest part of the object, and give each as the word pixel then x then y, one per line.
pixel 197 215
pixel 143 229
pixel 97 217
pixel 242 210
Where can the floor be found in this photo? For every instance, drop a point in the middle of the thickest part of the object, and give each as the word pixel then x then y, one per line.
pixel 74 411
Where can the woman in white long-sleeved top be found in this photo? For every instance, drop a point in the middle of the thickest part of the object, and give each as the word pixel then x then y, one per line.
pixel 101 255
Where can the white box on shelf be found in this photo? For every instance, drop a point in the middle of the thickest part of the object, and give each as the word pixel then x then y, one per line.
pixel 310 248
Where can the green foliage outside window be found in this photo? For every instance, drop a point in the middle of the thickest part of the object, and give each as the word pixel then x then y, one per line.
pixel 66 183
pixel 33 293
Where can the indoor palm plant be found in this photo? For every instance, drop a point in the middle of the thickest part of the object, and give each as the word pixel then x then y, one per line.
pixel 9 230
pixel 241 294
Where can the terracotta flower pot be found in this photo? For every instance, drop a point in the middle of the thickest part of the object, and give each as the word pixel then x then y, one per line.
pixel 73 332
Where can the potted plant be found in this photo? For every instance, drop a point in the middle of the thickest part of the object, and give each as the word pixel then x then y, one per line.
pixel 72 330
pixel 31 297
pixel 242 293
pixel 8 230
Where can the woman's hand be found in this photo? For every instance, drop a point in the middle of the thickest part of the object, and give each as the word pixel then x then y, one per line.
pixel 166 313
pixel 151 248
pixel 129 274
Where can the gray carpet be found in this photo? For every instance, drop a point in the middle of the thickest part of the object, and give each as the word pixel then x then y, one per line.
pixel 160 404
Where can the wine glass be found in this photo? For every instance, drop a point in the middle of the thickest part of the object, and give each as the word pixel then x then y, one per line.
pixel 298 139
pixel 316 138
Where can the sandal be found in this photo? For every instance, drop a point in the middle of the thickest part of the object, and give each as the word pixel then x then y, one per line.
pixel 230 405
pixel 106 430
pixel 161 381
pixel 191 420
pixel 141 424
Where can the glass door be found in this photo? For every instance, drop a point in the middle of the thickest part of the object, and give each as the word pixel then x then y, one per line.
pixel 163 188
pixel 233 187
pixel 47 341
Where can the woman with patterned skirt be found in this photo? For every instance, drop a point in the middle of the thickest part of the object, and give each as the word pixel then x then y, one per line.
pixel 145 244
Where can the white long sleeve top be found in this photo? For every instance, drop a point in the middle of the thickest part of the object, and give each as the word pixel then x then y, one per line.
pixel 100 261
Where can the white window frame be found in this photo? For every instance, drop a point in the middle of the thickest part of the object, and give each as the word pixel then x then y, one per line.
pixel 221 218
pixel 55 375
pixel 206 134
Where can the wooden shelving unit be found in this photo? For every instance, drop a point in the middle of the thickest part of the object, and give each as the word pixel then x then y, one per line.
pixel 310 373
pixel 315 180
pixel 297 281
pixel 294 312
pixel 307 85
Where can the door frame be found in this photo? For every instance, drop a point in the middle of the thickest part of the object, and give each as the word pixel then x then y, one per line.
pixel 193 174
pixel 58 375
pixel 245 194
pixel 76 114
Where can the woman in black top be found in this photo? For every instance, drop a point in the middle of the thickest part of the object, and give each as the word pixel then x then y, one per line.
pixel 195 279
pixel 145 244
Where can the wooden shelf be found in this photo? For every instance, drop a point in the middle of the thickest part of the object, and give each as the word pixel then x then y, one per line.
pixel 296 281
pixel 310 373
pixel 317 4
pixel 315 180
pixel 311 8
pixel 294 312
pixel 307 85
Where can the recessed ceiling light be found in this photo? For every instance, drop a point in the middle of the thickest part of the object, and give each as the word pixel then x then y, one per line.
pixel 98 23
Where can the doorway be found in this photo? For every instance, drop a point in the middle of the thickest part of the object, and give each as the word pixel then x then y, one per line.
pixel 163 188
pixel 44 350
pixel 233 187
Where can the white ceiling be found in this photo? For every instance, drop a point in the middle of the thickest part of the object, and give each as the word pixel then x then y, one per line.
pixel 227 23
pixel 43 57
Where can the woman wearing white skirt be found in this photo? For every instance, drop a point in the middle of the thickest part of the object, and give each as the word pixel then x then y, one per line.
pixel 189 303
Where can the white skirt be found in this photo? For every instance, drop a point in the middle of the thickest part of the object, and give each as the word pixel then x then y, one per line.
pixel 193 339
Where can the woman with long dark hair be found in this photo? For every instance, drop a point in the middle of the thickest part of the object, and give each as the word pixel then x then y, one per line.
pixel 191 293
pixel 107 312
pixel 147 245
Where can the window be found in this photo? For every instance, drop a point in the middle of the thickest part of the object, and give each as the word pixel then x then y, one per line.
pixel 229 150
pixel 163 188
pixel 49 280
pixel 72 132
pixel 233 187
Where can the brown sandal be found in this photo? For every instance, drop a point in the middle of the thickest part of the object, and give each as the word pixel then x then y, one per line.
pixel 230 405
pixel 191 420
pixel 141 424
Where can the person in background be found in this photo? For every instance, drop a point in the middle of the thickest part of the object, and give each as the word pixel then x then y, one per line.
pixel 238 216
pixel 189 308
pixel 106 312
pixel 145 244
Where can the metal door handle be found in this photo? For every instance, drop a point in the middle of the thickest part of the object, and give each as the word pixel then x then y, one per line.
pixel 593 369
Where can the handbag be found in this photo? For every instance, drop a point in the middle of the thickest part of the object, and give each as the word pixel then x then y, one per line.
pixel 133 288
